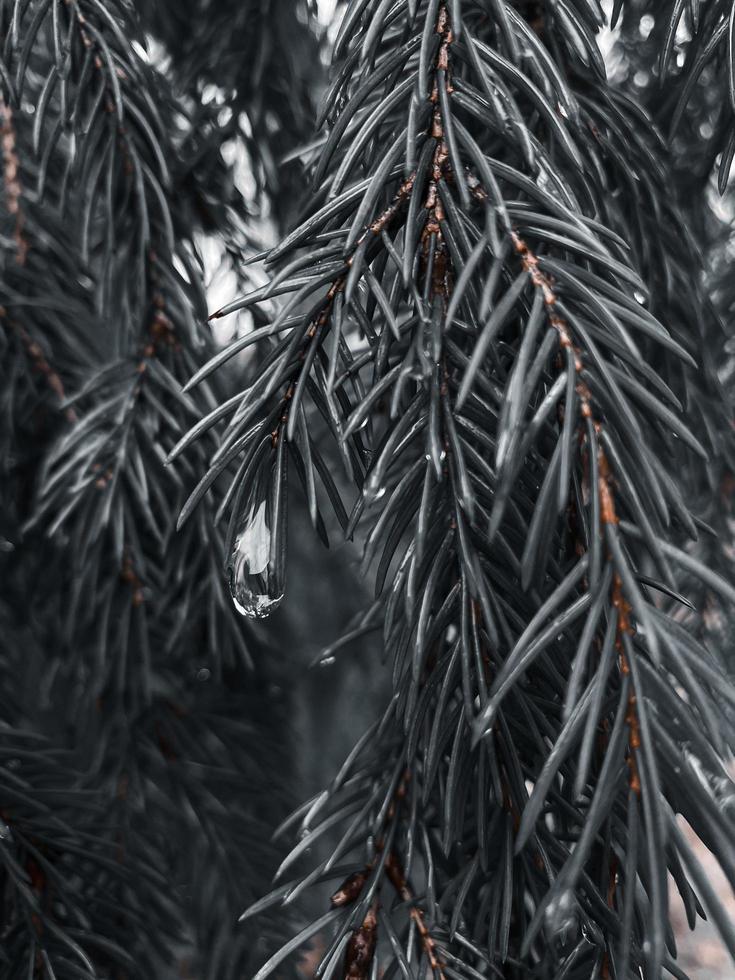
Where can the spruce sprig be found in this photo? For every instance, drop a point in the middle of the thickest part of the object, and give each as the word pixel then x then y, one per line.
pixel 469 302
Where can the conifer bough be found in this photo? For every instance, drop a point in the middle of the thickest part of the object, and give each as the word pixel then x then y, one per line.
pixel 129 700
pixel 470 305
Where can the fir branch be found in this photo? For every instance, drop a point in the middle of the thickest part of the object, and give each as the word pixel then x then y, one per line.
pixel 110 299
pixel 519 400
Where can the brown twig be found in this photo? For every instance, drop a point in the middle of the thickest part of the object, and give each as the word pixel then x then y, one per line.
pixel 129 575
pixel 608 513
pixel 361 946
pixel 40 362
pixel 11 178
pixel 351 889
pixel 605 487
pixel 397 878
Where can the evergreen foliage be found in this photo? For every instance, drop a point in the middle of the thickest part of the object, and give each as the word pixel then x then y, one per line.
pixel 494 299
pixel 131 702
pixel 492 350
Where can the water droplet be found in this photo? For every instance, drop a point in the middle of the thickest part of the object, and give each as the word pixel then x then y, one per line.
pixel 639 297
pixel 5 831
pixel 373 491
pixel 374 488
pixel 646 25
pixel 724 790
pixel 327 661
pixel 203 674
pixel 255 582
pixel 561 916
pixel 592 932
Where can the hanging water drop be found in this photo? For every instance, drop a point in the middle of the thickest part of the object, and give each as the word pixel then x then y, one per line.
pixel 256 568
pixel 375 487
pixel 561 916
pixel 253 585
pixel 373 490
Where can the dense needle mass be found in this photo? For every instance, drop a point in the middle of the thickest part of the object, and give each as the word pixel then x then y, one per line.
pixel 491 349
pixel 479 302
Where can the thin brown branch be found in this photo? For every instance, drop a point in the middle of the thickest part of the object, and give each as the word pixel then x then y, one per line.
pixel 40 363
pixel 11 178
pixel 361 947
pixel 397 878
pixel 605 487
